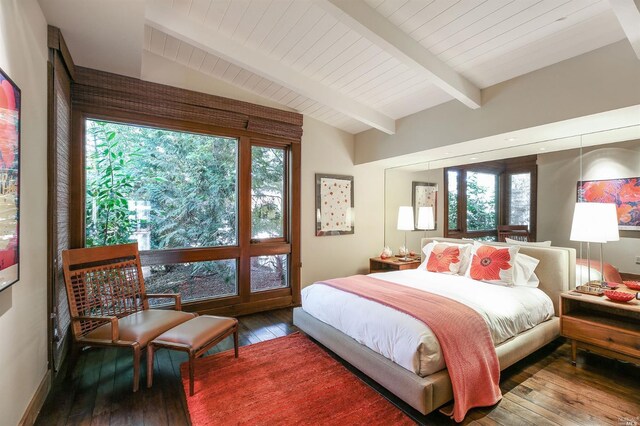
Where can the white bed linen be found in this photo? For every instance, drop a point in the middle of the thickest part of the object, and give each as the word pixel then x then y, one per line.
pixel 410 343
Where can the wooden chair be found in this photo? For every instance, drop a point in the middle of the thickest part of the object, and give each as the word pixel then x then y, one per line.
pixel 108 303
pixel 514 232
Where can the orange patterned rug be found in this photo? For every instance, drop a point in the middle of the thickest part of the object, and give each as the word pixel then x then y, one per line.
pixel 285 381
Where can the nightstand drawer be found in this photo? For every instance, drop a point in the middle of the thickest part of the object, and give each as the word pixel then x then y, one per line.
pixel 622 341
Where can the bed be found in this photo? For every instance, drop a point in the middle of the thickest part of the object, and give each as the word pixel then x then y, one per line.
pixel 556 272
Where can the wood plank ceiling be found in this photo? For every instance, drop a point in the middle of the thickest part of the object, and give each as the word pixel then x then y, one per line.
pixel 304 56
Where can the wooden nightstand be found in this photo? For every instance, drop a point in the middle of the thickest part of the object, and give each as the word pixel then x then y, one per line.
pixel 376 264
pixel 601 326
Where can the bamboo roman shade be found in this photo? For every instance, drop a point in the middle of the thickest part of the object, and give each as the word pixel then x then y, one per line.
pixel 97 88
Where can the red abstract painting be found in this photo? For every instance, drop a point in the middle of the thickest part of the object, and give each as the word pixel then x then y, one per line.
pixel 9 176
pixel 625 193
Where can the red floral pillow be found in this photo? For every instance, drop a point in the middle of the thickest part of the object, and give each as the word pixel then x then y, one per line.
pixel 446 258
pixel 493 264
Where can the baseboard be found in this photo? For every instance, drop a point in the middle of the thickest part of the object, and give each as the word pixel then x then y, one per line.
pixel 31 414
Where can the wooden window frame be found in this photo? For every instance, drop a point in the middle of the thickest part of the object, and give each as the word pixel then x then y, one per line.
pixel 503 169
pixel 245 301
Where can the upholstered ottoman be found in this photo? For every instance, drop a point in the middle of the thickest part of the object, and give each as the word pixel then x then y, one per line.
pixel 194 337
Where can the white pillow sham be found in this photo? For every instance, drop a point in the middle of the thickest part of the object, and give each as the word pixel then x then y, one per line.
pixel 465 255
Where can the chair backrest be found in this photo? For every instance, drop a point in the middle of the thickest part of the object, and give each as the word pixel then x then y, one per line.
pixel 515 232
pixel 103 281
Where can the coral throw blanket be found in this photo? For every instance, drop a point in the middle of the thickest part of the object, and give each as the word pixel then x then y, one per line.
pixel 463 335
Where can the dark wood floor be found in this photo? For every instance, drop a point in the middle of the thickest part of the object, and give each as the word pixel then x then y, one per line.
pixel 543 389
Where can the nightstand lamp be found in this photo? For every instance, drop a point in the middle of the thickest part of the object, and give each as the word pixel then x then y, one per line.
pixel 425 219
pixel 592 223
pixel 405 223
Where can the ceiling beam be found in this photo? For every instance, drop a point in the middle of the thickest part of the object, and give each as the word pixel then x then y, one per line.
pixel 189 31
pixel 628 14
pixel 379 30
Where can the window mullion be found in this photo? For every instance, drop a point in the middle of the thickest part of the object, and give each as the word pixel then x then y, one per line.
pixel 244 218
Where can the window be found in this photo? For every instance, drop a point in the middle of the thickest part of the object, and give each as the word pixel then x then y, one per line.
pixel 519 199
pixel 267 192
pixel 482 196
pixel 162 188
pixel 179 195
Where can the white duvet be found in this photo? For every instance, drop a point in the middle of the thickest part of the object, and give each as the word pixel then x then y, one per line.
pixel 410 343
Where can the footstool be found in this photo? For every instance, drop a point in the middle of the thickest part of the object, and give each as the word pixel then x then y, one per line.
pixel 194 337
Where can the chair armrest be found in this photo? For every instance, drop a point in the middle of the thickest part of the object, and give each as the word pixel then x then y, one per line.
pixel 176 296
pixel 115 331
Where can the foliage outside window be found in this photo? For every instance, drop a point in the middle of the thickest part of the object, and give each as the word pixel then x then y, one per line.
pixel 482 196
pixel 178 190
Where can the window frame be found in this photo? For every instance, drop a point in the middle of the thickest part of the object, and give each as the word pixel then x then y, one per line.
pixel 503 169
pixel 245 301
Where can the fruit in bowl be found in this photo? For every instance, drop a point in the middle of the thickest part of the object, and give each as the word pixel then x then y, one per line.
pixel 620 296
pixel 633 285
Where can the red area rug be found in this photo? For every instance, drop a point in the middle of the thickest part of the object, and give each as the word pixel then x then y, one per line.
pixel 285 381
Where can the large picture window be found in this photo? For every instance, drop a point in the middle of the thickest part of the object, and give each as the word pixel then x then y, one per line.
pixel 482 196
pixel 180 195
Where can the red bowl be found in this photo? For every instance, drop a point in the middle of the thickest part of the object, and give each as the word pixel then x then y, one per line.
pixel 619 296
pixel 633 285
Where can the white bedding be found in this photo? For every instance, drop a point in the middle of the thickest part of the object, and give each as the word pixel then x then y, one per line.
pixel 410 343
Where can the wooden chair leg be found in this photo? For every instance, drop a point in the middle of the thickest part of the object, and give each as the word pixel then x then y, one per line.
pixel 235 342
pixel 191 370
pixel 136 367
pixel 150 353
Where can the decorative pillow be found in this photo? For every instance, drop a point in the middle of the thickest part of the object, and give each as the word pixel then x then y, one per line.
pixel 523 274
pixel 460 267
pixel 444 258
pixel 493 264
pixel 528 243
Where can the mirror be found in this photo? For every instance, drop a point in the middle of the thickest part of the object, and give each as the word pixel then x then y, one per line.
pixel 561 164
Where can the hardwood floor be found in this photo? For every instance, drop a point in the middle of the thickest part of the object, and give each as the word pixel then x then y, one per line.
pixel 542 389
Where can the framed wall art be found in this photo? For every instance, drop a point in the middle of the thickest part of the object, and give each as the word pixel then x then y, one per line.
pixel 9 180
pixel 624 192
pixel 424 194
pixel 334 205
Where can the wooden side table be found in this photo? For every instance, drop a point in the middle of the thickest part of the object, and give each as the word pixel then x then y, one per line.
pixel 600 325
pixel 376 264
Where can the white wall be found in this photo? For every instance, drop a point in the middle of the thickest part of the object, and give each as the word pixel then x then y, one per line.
pixel 398 186
pixel 601 80
pixel 558 174
pixel 326 149
pixel 23 308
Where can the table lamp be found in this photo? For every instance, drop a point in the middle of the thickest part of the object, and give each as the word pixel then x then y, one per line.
pixel 425 219
pixel 405 223
pixel 587 227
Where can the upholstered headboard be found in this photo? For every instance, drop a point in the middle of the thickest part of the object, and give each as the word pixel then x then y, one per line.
pixel 556 270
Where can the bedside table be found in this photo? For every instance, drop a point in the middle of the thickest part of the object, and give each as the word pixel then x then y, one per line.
pixel 601 326
pixel 376 264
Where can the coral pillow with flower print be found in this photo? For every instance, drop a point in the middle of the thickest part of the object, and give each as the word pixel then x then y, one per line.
pixel 493 264
pixel 444 258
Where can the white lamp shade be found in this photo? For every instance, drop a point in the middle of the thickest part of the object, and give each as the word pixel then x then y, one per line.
pixel 425 218
pixel 594 223
pixel 405 218
pixel 610 222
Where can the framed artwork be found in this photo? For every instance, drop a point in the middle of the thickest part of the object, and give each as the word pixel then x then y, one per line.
pixel 334 205
pixel 625 193
pixel 424 194
pixel 9 180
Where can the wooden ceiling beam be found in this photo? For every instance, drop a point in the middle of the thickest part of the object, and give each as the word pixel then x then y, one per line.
pixel 628 14
pixel 379 30
pixel 196 34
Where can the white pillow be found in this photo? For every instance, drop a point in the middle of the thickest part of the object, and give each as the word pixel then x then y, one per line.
pixel 527 243
pixel 523 272
pixel 465 255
